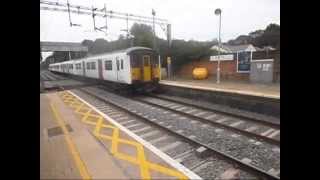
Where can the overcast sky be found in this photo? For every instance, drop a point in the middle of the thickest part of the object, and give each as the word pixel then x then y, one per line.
pixel 190 19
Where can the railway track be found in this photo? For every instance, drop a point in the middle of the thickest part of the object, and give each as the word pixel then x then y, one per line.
pixel 49 76
pixel 269 133
pixel 210 152
pixel 251 116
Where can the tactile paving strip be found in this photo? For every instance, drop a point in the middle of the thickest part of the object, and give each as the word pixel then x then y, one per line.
pixel 89 116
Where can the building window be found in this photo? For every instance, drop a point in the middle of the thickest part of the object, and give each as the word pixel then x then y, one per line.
pixel 108 65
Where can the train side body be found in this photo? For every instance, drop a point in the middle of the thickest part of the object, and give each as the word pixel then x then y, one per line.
pixel 136 65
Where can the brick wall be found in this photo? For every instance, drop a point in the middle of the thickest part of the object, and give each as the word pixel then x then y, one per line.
pixel 227 68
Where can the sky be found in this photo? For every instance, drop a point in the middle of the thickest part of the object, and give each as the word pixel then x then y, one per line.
pixel 190 19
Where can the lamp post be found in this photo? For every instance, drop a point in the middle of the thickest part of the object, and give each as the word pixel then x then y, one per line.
pixel 218 12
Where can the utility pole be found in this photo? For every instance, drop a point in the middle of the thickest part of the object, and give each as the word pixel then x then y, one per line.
pixel 154 31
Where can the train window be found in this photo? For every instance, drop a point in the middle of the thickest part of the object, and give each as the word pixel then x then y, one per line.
pixel 93 65
pixel 134 60
pixel 108 65
pixel 71 66
pixel 146 60
pixel 88 65
pixel 121 64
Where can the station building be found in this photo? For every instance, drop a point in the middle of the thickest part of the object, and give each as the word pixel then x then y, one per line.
pixel 238 66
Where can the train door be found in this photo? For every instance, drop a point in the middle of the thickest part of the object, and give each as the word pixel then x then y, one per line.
pixel 83 68
pixel 118 68
pixel 146 68
pixel 100 69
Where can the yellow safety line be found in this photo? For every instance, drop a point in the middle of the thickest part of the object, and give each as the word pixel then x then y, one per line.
pixel 72 148
pixel 144 165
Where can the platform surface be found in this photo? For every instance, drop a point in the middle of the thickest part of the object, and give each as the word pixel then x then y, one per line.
pixel 77 143
pixel 262 90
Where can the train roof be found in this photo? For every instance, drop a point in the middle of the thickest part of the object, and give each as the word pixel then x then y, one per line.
pixel 128 50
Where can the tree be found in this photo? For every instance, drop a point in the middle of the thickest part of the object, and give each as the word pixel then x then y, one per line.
pixel 260 38
pixel 143 35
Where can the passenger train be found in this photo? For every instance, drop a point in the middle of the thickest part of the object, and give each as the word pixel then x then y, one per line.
pixel 136 67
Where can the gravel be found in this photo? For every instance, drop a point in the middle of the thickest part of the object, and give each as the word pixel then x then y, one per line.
pixel 240 147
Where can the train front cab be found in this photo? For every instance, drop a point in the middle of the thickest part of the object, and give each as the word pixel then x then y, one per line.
pixel 144 67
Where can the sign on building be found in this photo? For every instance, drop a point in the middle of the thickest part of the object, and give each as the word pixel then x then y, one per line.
pixel 227 57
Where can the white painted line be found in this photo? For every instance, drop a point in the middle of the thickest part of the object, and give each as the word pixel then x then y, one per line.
pixel 236 124
pixel 222 120
pixel 193 122
pixel 174 115
pixel 252 128
pixel 149 134
pixel 267 132
pixel 170 146
pixel 200 113
pixel 221 90
pixel 182 118
pixel 211 116
pixel 165 157
pixel 153 119
pixel 140 130
pixel 274 134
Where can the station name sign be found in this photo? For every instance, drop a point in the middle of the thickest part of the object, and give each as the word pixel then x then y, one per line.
pixel 228 57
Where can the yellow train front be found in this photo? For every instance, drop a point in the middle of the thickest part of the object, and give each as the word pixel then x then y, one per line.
pixel 145 69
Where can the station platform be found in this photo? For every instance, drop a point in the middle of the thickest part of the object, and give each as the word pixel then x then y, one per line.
pixel 260 90
pixel 79 142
